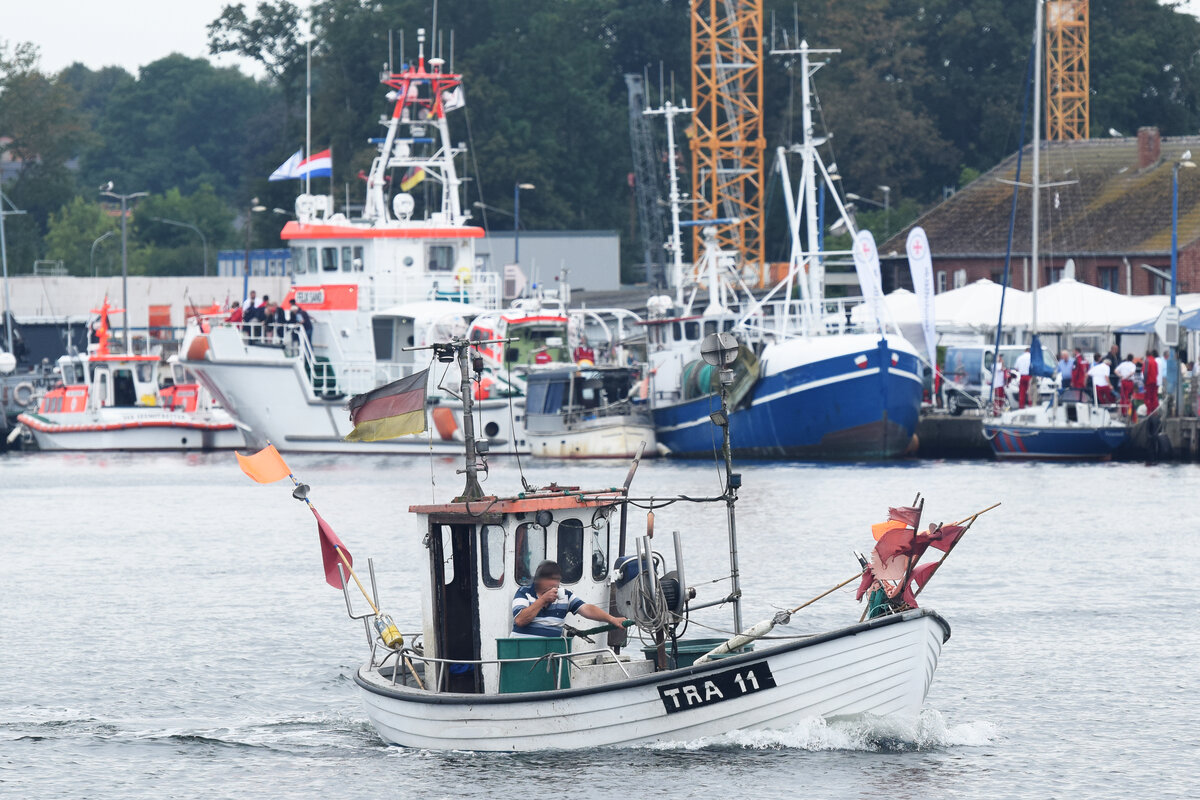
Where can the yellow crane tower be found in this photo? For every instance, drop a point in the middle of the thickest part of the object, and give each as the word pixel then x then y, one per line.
pixel 1067 87
pixel 727 129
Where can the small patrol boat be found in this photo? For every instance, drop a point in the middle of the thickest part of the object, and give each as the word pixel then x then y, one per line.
pixel 463 682
pixel 118 401
pixel 588 412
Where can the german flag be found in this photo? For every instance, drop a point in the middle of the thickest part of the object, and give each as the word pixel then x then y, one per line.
pixel 411 178
pixel 396 409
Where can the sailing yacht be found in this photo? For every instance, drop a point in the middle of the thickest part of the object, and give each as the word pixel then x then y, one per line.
pixel 1073 424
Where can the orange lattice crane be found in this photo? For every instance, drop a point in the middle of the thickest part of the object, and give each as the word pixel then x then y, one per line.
pixel 1067 87
pixel 727 129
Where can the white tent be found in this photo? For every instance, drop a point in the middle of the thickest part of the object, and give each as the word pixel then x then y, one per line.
pixel 900 307
pixel 976 307
pixel 1069 306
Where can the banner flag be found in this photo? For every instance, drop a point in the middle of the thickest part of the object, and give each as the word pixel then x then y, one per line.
pixel 920 263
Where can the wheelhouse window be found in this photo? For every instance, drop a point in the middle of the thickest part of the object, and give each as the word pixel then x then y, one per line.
pixel 570 550
pixel 312 259
pixel 491 542
pixel 346 259
pixel 440 258
pixel 691 330
pixel 299 264
pixel 358 259
pixel 600 552
pixel 329 259
pixel 530 551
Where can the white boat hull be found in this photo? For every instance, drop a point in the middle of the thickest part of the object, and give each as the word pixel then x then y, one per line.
pixel 883 668
pixel 619 440
pixel 150 429
pixel 272 401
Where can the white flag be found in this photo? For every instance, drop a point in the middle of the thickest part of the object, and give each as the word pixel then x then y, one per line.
pixel 289 169
pixel 453 99
pixel 920 263
pixel 866 264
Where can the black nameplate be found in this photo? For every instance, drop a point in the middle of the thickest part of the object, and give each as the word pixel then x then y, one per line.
pixel 716 686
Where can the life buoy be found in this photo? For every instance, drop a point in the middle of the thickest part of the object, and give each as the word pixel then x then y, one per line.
pixel 483 389
pixel 463 275
pixel 23 393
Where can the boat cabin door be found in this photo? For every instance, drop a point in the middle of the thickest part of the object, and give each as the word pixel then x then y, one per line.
pixel 454 564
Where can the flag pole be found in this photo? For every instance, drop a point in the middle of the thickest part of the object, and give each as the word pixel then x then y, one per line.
pixel 346 562
pixel 308 113
pixel 969 521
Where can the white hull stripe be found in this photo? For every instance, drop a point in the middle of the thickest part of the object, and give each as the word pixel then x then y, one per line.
pixel 803 387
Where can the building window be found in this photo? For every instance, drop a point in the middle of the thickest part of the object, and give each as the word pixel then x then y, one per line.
pixel 1053 275
pixel 1108 278
pixel 941 281
pixel 960 278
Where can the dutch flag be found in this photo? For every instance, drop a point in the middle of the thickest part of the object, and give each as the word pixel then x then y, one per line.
pixel 318 165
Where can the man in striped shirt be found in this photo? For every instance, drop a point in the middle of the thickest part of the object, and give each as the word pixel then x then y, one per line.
pixel 539 609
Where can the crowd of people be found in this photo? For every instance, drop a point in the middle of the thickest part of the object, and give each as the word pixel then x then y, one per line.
pixel 1111 378
pixel 266 320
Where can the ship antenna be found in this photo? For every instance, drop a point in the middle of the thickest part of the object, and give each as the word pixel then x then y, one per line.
pixel 721 350
pixel 459 349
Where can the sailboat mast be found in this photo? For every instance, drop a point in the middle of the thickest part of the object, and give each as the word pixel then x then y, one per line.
pixel 1035 204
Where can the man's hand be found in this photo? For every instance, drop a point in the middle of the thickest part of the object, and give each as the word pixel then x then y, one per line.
pixel 549 596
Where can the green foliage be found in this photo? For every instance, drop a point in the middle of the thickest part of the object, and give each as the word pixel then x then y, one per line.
pixel 183 123
pixel 72 231
pixel 175 249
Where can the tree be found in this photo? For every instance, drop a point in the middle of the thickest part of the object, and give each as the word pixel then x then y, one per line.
pixel 176 250
pixel 40 117
pixel 72 231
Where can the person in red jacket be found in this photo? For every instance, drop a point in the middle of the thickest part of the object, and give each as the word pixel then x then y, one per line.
pixel 1079 371
pixel 1150 376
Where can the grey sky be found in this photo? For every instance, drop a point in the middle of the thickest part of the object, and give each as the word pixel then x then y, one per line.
pixel 126 33
pixel 130 33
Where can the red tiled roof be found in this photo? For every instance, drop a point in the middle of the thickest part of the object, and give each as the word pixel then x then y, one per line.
pixel 1109 206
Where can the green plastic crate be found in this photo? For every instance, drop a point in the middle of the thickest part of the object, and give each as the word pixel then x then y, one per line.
pixel 528 676
pixel 691 649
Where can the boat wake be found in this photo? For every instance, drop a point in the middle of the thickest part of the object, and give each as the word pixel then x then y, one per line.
pixel 870 734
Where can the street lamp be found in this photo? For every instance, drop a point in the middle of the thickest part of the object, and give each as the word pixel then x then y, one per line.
pixel 255 208
pixel 486 207
pixel 8 319
pixel 106 190
pixel 886 205
pixel 190 226
pixel 1185 160
pixel 92 257
pixel 517 187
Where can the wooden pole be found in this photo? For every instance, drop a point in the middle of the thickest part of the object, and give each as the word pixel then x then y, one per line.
pixel 969 522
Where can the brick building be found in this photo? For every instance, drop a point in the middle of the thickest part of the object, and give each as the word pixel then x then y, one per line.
pixel 1106 206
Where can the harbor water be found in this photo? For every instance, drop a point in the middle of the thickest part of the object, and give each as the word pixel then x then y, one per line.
pixel 165 631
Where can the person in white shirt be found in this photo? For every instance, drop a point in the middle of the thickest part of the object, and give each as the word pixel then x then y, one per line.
pixel 1162 371
pixel 1124 376
pixel 999 380
pixel 1022 368
pixel 1098 372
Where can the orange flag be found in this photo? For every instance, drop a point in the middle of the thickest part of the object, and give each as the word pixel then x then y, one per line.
pixel 880 528
pixel 265 466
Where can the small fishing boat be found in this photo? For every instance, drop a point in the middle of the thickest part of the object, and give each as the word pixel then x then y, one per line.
pixel 116 401
pixel 1068 426
pixel 466 681
pixel 587 412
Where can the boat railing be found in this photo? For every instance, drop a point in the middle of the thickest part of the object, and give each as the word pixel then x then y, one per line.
pixel 441 666
pixel 482 289
pixel 621 408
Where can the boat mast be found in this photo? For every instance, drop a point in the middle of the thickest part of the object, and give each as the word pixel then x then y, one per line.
pixel 721 350
pixel 1037 140
pixel 675 244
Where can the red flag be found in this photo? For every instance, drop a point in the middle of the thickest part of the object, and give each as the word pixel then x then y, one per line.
pixel 906 514
pixel 867 579
pixel 922 574
pixel 330 545
pixel 946 537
